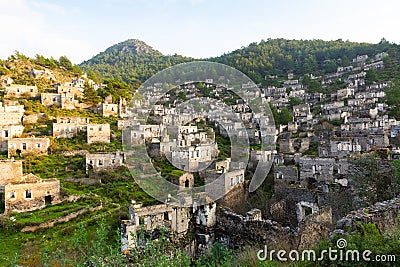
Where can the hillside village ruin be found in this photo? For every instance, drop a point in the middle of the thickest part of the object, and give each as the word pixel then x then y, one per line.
pixel 310 164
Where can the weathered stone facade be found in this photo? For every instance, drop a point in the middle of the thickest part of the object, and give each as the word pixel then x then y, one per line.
pixel 186 180
pixel 68 127
pixel 31 193
pixel 103 161
pixel 315 227
pixel 176 220
pixel 63 100
pixel 8 132
pixel 50 99
pixel 28 192
pixel 108 109
pixel 24 146
pixel 98 133
pixel 286 176
pixel 11 114
pixel 237 231
pixel 64 89
pixel 20 91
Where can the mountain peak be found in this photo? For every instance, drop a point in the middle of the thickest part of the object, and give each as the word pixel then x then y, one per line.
pixel 134 45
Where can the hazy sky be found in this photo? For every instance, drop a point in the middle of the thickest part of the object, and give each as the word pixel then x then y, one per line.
pixel 80 29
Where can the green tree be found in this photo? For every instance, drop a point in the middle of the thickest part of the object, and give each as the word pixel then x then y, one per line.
pixel 116 88
pixel 285 116
pixel 293 101
pixel 65 62
pixel 374 179
pixel 371 77
pixel 90 95
pixel 393 100
pixel 314 87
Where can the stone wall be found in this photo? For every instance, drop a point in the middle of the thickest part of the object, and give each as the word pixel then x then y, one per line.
pixel 284 204
pixel 76 91
pixel 385 215
pixel 10 171
pixel 315 227
pixel 11 118
pixel 236 231
pixel 236 196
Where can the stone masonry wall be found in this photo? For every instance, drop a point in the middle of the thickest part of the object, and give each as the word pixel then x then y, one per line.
pixel 385 215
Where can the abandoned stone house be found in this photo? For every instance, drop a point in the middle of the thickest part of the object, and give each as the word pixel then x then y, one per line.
pixel 108 109
pixel 318 169
pixel 11 115
pixel 367 125
pixel 104 161
pixel 20 91
pixel 299 93
pixel 127 123
pixel 321 170
pixel 194 157
pixel 68 127
pixel 292 204
pixel 302 113
pixel 160 110
pixel 98 133
pixel 198 211
pixel 30 145
pixel 42 73
pixel 332 105
pixel 49 99
pixel 344 69
pixel 228 128
pixel 63 100
pixel 68 101
pixel 138 134
pixel 78 82
pixel 345 93
pixel 374 65
pixel 186 180
pixel 222 177
pixel 25 192
pixel 70 90
pixel 122 107
pixel 275 92
pixel 285 176
pixel 339 148
pixel 293 145
pixel 8 132
pixel 5 81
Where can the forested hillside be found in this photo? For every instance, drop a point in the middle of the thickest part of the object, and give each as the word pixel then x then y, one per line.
pixel 134 61
pixel 279 56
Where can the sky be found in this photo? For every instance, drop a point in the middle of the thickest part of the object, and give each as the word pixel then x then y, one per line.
pixel 80 29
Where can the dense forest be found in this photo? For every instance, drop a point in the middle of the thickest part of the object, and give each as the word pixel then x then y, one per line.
pixel 134 61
